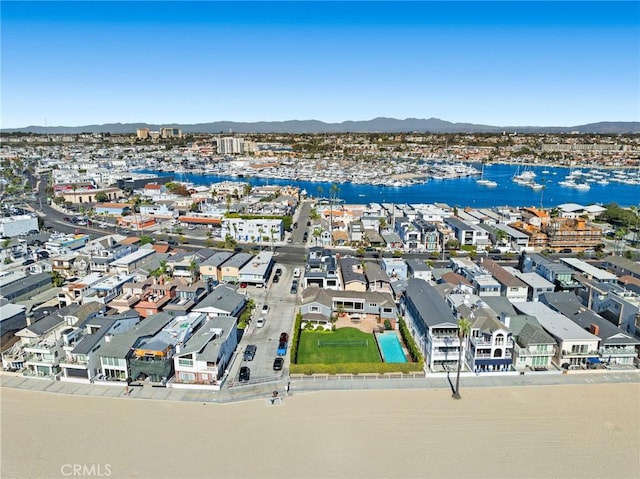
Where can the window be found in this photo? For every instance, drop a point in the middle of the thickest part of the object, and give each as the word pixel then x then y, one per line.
pixel 499 339
pixel 185 362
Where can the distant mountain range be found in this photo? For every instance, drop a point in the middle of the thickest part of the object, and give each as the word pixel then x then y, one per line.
pixel 377 125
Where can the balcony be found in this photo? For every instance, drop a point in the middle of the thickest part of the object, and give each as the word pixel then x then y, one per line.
pixel 45 347
pixel 490 356
pixel 47 360
pixel 580 353
pixel 74 361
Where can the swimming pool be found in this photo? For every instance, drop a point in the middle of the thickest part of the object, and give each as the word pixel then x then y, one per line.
pixel 391 348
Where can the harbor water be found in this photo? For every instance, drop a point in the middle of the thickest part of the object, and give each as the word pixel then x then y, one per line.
pixel 466 191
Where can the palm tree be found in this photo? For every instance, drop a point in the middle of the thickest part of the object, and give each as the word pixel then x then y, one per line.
pixel 464 328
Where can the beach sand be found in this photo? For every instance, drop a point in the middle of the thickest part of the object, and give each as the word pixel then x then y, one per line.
pixel 586 431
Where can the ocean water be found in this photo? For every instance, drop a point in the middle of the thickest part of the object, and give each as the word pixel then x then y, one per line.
pixel 459 192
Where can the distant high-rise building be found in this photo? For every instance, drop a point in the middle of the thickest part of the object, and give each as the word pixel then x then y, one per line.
pixel 170 132
pixel 142 133
pixel 230 146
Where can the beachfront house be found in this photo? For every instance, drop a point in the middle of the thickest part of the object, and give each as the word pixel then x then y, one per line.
pixel 616 346
pixel 432 324
pixel 152 357
pixel 576 346
pixel 319 305
pixel 210 268
pixel 81 361
pixel 489 345
pixel 205 357
pixel 116 349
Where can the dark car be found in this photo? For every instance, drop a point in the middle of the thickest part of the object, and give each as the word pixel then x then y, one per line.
pixel 250 352
pixel 28 262
pixel 66 218
pixel 295 225
pixel 284 337
pixel 278 363
pixel 565 250
pixel 245 373
pixel 294 286
pixel 278 271
pixel 276 278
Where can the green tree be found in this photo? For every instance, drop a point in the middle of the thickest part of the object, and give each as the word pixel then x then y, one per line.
pixel 464 329
pixel 146 239
pixel 57 279
pixel 101 197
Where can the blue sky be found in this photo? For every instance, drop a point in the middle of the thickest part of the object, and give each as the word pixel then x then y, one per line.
pixel 499 63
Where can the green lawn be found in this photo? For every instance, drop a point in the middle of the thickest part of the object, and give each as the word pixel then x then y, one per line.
pixel 332 353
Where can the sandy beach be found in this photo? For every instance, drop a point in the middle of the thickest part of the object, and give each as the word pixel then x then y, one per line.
pixel 586 431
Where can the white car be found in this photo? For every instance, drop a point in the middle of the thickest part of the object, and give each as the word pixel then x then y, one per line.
pixel 265 309
pixel 260 322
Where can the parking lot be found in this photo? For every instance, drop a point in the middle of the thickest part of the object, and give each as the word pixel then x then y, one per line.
pixel 280 318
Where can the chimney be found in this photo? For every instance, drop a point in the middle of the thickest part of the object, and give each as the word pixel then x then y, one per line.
pixel 504 319
pixel 594 329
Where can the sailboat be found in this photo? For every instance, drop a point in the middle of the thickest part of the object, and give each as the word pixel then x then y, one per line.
pixel 483 182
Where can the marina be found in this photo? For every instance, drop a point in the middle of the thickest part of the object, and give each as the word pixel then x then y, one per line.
pixel 548 189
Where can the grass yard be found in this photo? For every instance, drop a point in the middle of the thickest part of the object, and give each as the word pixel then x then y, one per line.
pixel 344 345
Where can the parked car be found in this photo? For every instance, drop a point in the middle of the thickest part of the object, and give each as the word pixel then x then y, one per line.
pixel 265 308
pixel 245 374
pixel 282 349
pixel 66 218
pixel 278 271
pixel 565 250
pixel 284 337
pixel 260 322
pixel 250 352
pixel 276 278
pixel 294 286
pixel 278 363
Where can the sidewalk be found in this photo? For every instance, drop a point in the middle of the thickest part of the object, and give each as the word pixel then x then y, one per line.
pixel 309 384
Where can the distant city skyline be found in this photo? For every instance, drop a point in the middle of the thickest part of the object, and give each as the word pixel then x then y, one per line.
pixel 493 63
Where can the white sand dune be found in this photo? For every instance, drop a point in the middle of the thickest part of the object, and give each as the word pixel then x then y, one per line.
pixel 587 431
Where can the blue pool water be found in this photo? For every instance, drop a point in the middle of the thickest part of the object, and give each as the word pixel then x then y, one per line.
pixel 391 348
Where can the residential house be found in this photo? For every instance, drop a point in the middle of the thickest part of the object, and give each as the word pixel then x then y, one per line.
pixel 206 356
pixel 222 301
pixel 559 274
pixel 489 345
pixel 318 305
pixel 510 286
pixel 129 263
pixel 321 269
pixel 576 346
pixel 589 271
pixel 210 267
pixel 74 292
pixel 533 347
pixel 107 289
pixel 230 269
pixel 112 209
pixel 622 266
pixel 81 360
pixel 616 346
pixel 536 284
pixel 116 349
pixel 409 234
pixel 417 268
pixel 432 324
pixel 258 270
pixel 396 268
pixel 614 303
pixel 468 234
pixel 155 298
pixel 186 297
pixel 352 274
pixel 152 356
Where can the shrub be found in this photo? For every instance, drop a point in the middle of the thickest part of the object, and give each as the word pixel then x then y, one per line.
pixel 414 351
pixel 387 324
pixel 296 338
pixel 355 368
